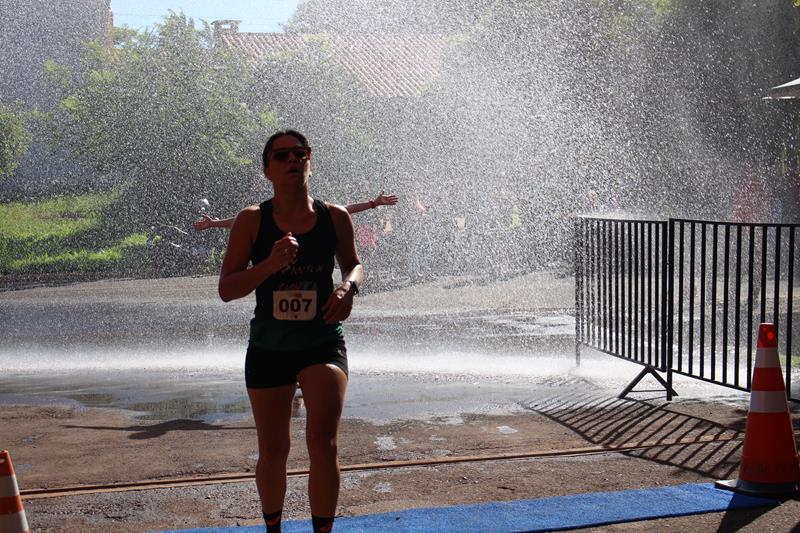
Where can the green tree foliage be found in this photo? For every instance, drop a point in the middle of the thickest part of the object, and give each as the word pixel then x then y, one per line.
pixel 651 105
pixel 311 93
pixel 14 139
pixel 166 114
pixel 544 109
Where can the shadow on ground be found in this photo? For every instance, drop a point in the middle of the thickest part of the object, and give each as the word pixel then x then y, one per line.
pixel 152 431
pixel 707 447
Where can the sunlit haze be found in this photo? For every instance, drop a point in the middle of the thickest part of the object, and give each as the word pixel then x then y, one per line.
pixel 264 16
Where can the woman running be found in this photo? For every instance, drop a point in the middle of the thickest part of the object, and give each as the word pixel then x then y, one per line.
pixel 290 242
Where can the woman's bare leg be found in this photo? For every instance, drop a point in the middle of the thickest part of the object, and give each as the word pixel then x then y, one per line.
pixel 272 411
pixel 323 394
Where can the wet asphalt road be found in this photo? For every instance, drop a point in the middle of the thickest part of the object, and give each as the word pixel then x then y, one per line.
pixel 170 348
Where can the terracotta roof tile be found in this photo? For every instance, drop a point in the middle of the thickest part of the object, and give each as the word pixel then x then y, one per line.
pixel 389 66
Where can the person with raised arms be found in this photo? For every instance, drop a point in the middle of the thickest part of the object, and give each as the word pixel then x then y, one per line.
pixel 207 221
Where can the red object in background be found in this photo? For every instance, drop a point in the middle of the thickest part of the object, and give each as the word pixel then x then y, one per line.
pixel 367 237
pixel 752 202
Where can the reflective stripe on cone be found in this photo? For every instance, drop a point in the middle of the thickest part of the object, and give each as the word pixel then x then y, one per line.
pixel 769 402
pixel 770 464
pixel 12 515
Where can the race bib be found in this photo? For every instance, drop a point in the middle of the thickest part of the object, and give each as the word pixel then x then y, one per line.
pixel 294 305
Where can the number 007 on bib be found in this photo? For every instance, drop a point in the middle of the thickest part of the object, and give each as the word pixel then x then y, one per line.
pixel 294 305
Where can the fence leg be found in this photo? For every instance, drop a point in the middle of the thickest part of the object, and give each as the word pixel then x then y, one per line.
pixel 652 371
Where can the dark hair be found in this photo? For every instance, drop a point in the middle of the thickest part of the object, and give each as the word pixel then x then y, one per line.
pixel 268 147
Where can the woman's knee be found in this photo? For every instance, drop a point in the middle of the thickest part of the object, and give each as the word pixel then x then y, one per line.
pixel 274 452
pixel 321 445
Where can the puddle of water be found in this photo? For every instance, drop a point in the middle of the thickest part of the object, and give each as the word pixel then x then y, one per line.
pixel 385 443
pixel 383 487
pixel 489 363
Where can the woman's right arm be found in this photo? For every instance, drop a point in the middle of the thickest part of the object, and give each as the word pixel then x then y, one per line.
pixel 236 280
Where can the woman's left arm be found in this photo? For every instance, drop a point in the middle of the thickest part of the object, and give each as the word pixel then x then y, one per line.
pixel 340 303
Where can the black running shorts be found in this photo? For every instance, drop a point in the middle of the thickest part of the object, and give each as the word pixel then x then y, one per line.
pixel 264 369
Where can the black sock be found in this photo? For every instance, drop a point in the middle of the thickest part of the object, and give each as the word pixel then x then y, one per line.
pixel 322 524
pixel 273 521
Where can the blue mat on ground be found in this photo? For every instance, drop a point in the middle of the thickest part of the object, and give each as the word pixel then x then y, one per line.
pixel 546 514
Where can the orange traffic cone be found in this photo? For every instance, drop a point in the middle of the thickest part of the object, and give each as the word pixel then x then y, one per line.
pixel 770 464
pixel 12 515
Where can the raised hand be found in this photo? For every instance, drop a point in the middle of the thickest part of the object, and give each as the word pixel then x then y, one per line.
pixel 383 199
pixel 204 223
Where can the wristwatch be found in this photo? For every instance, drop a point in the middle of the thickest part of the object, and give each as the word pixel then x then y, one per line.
pixel 353 286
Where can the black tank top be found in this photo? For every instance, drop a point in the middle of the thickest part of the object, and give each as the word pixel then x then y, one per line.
pixel 288 314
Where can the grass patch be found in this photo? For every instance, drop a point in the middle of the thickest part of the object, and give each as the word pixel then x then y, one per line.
pixel 56 218
pixel 66 233
pixel 82 259
pixel 84 233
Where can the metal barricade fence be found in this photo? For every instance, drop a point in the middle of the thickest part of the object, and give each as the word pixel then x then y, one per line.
pixel 686 296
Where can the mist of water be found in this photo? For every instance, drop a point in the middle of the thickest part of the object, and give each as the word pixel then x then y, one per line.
pixel 539 111
pixel 546 110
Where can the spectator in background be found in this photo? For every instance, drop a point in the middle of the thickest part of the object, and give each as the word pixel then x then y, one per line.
pixel 752 199
pixel 209 222
pixel 367 237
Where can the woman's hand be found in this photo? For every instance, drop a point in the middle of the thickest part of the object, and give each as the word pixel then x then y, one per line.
pixel 382 199
pixel 339 304
pixel 284 252
pixel 204 223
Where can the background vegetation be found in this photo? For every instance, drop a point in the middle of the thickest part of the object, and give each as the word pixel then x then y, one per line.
pixel 543 109
pixel 14 139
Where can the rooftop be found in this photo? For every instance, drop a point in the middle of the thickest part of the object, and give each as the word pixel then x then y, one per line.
pixel 388 65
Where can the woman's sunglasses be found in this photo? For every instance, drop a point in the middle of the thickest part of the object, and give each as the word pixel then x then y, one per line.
pixel 299 153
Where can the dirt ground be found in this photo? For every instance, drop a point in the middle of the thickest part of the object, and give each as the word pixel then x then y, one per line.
pixel 524 457
pixel 553 445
